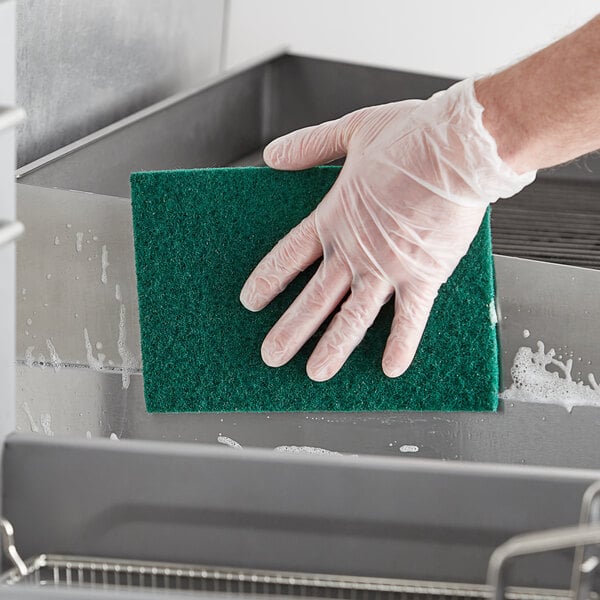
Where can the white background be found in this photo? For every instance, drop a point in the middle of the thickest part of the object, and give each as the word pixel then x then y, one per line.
pixel 455 38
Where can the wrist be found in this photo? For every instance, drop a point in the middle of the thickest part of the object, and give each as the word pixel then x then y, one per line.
pixel 502 119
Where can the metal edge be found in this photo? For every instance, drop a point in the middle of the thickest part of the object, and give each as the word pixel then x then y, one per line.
pixel 148 112
pixel 542 262
pixel 10 116
pixel 267 456
pixel 376 65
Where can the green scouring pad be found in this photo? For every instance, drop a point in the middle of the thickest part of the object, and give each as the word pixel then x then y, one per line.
pixel 198 235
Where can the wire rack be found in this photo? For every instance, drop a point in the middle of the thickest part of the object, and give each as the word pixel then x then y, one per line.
pixel 54 570
pixel 109 574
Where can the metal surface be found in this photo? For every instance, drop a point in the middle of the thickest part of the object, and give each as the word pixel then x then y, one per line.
pixel 9 116
pixel 10 231
pixel 586 557
pixel 103 573
pixel 349 516
pixel 61 294
pixel 8 545
pixel 74 400
pixel 535 543
pixel 83 65
pixel 223 120
pixel 552 220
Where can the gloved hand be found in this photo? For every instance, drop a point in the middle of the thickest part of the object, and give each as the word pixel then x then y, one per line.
pixel 409 200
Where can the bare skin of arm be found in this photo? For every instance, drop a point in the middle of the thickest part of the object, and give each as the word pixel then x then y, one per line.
pixel 545 110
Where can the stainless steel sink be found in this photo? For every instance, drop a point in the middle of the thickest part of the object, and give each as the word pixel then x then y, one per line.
pixel 75 208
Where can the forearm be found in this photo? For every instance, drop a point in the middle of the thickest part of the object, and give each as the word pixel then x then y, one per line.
pixel 545 110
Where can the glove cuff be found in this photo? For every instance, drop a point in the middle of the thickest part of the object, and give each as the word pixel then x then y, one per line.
pixel 486 175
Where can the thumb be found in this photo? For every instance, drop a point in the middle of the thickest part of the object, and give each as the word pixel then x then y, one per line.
pixel 308 147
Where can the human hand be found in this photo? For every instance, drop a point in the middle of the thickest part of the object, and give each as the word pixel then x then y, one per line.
pixel 409 200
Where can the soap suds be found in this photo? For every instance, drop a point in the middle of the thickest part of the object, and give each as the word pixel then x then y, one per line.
pixel 409 448
pixel 54 358
pixel 114 436
pixel 231 443
pixel 29 359
pixel 105 265
pixel 32 424
pixel 46 421
pixel 79 241
pixel 305 450
pixel 222 439
pixel 128 361
pixel 118 295
pixel 533 382
pixel 93 362
pixel 526 333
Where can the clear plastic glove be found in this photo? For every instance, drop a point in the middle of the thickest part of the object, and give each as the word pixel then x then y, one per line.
pixel 409 200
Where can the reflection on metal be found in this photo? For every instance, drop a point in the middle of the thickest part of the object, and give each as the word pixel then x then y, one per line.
pixel 10 231
pixel 83 65
pixel 586 557
pixel 10 116
pixel 535 543
pixel 8 544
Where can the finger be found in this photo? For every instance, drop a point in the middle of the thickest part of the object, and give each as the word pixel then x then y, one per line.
pixel 348 328
pixel 290 256
pixel 308 147
pixel 411 314
pixel 316 302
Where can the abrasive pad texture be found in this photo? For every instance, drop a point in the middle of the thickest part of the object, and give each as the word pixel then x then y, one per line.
pixel 198 235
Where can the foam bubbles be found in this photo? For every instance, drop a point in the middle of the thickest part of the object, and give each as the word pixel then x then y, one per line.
pixel 93 362
pixel 306 450
pixel 534 382
pixel 54 358
pixel 231 443
pixel 105 265
pixel 227 441
pixel 409 448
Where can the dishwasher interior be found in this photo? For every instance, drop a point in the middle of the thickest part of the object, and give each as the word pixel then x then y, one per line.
pixel 311 514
